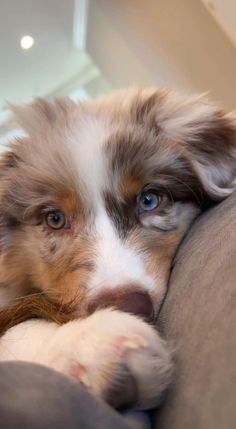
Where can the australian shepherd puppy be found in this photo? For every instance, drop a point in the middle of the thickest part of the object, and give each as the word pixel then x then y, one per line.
pixel 94 202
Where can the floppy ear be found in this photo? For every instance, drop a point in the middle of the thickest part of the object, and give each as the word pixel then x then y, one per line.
pixel 207 138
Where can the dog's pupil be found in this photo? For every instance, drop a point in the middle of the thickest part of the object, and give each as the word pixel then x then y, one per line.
pixel 56 218
pixel 148 200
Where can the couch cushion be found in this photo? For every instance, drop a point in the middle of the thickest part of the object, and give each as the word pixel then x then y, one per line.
pixel 199 318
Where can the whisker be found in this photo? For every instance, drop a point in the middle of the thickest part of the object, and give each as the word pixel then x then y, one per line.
pixel 19 298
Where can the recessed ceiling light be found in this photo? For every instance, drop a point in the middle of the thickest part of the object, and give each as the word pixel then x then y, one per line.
pixel 27 42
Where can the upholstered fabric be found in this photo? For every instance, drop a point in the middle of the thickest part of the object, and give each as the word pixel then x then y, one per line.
pixel 35 397
pixel 199 318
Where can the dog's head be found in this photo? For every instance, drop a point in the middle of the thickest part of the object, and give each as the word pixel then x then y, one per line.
pixel 97 197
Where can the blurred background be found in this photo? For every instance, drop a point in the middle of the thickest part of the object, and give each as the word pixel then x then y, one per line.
pixel 84 48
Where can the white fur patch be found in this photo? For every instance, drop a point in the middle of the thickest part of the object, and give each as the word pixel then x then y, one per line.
pixel 26 340
pixel 117 264
pixel 89 137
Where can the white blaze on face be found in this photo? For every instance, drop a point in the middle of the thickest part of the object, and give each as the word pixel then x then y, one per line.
pixel 116 263
pixel 87 150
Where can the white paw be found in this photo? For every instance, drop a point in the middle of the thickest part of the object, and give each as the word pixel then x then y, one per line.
pixel 115 355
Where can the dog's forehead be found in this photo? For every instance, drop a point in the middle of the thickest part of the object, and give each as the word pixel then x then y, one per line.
pixel 88 152
pixel 104 146
pixel 100 147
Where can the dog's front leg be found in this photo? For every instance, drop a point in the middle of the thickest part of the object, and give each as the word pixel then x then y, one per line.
pixel 115 355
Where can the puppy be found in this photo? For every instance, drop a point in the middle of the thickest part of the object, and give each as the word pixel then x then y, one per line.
pixel 95 200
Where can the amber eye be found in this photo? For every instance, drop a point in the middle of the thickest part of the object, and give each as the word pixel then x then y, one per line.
pixel 56 220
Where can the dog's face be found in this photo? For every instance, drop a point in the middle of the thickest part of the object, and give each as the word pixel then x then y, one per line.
pixel 96 199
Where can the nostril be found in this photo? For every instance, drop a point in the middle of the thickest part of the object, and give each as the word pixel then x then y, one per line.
pixel 135 302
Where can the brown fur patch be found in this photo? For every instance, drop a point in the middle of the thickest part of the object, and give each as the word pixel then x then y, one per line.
pixel 31 307
pixel 130 186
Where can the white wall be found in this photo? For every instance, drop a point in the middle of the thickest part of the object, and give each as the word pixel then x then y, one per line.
pixel 173 43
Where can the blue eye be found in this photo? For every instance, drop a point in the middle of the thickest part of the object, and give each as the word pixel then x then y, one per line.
pixel 148 201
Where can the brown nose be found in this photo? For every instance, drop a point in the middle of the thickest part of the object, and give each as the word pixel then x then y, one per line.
pixel 136 302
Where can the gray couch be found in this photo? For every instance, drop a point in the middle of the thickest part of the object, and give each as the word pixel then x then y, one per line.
pixel 198 317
